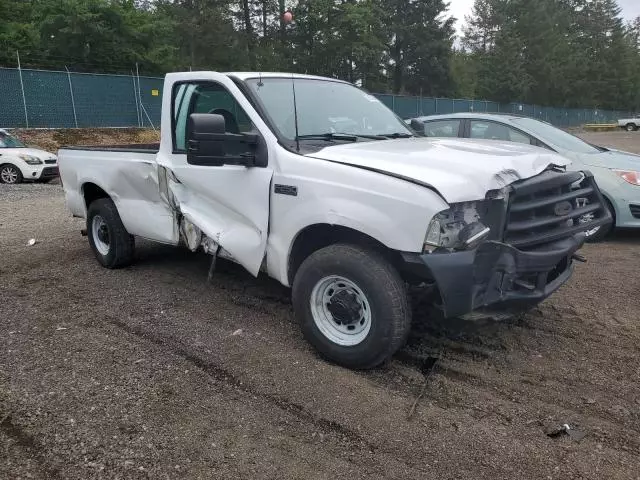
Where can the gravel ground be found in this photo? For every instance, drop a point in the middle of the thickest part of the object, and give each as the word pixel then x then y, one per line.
pixel 150 372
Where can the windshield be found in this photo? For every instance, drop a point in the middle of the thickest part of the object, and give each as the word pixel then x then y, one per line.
pixel 549 134
pixel 324 107
pixel 8 141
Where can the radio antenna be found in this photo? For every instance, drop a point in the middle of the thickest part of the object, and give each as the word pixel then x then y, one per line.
pixel 295 112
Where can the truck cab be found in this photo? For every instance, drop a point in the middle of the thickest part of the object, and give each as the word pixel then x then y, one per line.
pixel 322 187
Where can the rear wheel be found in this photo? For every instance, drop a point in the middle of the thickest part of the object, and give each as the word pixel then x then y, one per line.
pixel 111 243
pixel 352 305
pixel 10 174
pixel 631 127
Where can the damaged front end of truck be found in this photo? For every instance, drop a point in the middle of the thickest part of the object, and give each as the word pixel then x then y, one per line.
pixel 511 251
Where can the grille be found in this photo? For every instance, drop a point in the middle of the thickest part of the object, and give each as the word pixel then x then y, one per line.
pixel 552 206
pixel 49 172
pixel 50 162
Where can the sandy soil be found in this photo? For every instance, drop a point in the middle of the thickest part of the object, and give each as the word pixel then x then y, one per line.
pixel 150 372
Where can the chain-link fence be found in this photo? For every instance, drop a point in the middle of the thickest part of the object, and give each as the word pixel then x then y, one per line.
pixel 54 99
pixel 57 99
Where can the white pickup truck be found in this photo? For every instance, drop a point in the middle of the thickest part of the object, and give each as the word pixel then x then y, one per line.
pixel 321 186
pixel 630 124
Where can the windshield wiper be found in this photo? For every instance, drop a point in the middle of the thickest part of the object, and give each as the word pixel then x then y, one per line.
pixel 328 136
pixel 343 136
pixel 353 137
pixel 397 135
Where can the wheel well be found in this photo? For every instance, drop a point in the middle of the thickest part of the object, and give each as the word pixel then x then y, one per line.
pixel 315 237
pixel 92 192
pixel 610 207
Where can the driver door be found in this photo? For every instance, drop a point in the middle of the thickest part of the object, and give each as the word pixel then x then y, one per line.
pixel 228 203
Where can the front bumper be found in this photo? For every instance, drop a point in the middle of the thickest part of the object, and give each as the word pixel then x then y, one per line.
pixel 49 171
pixel 39 172
pixel 495 277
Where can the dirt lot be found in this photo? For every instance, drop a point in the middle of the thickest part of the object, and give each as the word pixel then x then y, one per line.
pixel 150 372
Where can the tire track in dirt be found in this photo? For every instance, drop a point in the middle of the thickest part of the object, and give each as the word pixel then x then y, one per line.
pixel 28 442
pixel 221 375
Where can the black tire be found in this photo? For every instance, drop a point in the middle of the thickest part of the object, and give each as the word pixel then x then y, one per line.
pixel 8 168
pixel 604 231
pixel 631 127
pixel 385 293
pixel 121 245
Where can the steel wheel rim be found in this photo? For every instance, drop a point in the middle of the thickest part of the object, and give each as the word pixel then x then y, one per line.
pixel 630 128
pixel 100 234
pixel 324 294
pixel 9 175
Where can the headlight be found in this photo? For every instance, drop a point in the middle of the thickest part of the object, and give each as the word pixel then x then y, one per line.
pixel 31 160
pixel 457 228
pixel 629 176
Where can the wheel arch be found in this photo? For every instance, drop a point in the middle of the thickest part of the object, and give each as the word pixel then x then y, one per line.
pixel 91 192
pixel 611 205
pixel 319 235
pixel 12 164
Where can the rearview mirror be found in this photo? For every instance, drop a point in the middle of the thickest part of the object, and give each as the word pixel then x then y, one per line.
pixel 209 144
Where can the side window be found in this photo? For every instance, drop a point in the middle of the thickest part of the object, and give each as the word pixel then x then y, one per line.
pixel 442 128
pixel 519 137
pixel 538 143
pixel 497 131
pixel 206 98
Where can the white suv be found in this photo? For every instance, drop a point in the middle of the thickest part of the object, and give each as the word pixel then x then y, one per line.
pixel 18 162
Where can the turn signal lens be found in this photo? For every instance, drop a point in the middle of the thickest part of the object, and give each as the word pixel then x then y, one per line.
pixel 629 176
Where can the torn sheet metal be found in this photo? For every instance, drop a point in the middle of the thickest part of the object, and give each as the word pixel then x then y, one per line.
pixel 225 206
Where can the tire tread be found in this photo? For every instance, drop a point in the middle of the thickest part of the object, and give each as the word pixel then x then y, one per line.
pixel 123 243
pixel 383 273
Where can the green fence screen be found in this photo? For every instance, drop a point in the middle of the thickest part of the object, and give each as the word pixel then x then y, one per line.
pixel 56 99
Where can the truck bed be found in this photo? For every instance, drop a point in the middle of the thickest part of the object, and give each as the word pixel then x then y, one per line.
pixel 132 147
pixel 126 173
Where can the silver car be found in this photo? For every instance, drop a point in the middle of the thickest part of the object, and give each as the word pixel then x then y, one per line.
pixel 616 173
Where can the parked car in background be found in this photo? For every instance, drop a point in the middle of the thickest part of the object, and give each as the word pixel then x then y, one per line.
pixel 630 124
pixel 19 162
pixel 616 173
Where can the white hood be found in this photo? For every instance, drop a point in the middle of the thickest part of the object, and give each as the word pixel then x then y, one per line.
pixel 461 170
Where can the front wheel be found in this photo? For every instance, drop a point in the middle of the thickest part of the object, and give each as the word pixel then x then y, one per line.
pixel 352 305
pixel 10 174
pixel 109 240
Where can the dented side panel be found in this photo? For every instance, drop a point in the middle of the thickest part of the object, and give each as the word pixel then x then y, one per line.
pixel 131 180
pixel 229 204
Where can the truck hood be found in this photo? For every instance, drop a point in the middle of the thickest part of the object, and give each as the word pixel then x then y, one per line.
pixel 460 170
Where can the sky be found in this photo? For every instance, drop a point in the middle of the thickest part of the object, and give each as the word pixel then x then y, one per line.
pixel 460 8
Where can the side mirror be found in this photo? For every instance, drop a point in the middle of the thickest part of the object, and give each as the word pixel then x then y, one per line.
pixel 417 126
pixel 209 144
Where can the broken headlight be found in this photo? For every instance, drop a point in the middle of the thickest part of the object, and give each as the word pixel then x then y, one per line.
pixel 457 228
